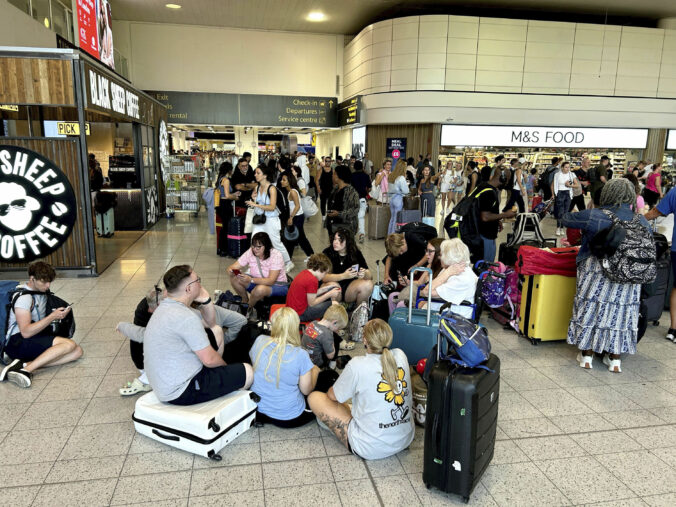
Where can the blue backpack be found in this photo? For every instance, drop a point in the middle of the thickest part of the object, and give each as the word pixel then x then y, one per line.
pixel 7 291
pixel 467 340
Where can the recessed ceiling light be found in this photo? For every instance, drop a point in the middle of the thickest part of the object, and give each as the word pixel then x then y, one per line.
pixel 173 6
pixel 316 16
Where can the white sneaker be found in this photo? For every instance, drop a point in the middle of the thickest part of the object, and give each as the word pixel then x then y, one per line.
pixel 612 364
pixel 585 361
pixel 289 266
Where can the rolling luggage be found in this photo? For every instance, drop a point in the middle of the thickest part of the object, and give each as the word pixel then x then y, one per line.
pixel 379 220
pixel 408 216
pixel 415 331
pixel 202 429
pixel 509 255
pixel 653 294
pixel 461 421
pixel 546 261
pixel 411 202
pixel 105 223
pixel 526 227
pixel 238 242
pixel 546 307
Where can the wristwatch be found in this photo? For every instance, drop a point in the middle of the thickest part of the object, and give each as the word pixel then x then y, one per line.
pixel 205 302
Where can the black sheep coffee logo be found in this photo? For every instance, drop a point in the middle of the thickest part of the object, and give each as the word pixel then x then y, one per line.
pixel 37 205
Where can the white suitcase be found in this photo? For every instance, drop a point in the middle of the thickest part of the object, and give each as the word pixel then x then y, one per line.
pixel 202 429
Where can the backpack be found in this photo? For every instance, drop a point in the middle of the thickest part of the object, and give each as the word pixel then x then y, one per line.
pixel 282 205
pixel 526 227
pixel 463 221
pixel 591 175
pixel 425 231
pixel 627 251
pixel 467 342
pixel 7 291
pixel 359 318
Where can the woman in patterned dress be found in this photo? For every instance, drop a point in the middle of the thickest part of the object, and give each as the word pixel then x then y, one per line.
pixel 605 313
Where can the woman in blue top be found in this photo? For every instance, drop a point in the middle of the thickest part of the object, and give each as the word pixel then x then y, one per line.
pixel 398 188
pixel 283 373
pixel 605 313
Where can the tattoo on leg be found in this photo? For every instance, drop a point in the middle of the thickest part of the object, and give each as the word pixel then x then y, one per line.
pixel 337 426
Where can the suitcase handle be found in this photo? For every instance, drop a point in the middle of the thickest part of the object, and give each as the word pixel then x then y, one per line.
pixel 166 437
pixel 429 295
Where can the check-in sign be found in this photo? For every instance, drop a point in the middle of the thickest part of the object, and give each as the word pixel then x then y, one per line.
pixel 70 128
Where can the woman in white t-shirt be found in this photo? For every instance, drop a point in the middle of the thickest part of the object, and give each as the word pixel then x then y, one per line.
pixel 562 187
pixel 379 423
pixel 456 282
pixel 445 187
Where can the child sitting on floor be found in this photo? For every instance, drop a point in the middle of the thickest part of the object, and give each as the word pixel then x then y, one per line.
pixel 320 338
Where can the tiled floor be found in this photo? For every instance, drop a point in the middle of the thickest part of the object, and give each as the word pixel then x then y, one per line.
pixel 566 436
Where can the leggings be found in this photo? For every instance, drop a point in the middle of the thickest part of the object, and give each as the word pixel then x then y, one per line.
pixel 578 201
pixel 302 240
pixel 324 201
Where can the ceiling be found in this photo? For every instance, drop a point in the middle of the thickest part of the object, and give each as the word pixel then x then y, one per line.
pixel 229 129
pixel 350 16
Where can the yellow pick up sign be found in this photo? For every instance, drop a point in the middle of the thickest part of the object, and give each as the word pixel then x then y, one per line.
pixel 71 128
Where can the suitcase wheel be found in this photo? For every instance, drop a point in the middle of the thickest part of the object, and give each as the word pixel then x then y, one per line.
pixel 534 341
pixel 254 397
pixel 428 485
pixel 213 456
pixel 465 499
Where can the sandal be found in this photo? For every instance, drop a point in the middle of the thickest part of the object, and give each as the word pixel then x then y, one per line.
pixel 135 387
pixel 585 361
pixel 612 364
pixel 346 345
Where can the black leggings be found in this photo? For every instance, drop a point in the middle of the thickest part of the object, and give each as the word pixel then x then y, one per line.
pixel 578 201
pixel 324 201
pixel 302 240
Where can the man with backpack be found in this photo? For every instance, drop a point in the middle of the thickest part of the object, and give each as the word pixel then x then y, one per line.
pixel 547 178
pixel 30 342
pixel 488 197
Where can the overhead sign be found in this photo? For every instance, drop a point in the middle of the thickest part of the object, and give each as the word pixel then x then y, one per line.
pixel 543 137
pixel 71 128
pixel 348 112
pixel 12 108
pixel 396 149
pixel 37 205
pixel 250 110
pixel 671 140
pixel 94 21
pixel 110 95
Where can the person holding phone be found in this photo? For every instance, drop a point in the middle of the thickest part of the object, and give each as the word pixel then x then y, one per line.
pixel 266 276
pixel 349 268
pixel 564 183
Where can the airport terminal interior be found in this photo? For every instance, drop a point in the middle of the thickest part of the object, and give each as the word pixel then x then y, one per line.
pixel 529 143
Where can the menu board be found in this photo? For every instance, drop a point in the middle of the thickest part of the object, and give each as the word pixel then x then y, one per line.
pixel 94 19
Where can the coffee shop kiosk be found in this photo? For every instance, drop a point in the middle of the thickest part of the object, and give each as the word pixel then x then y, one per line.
pixel 58 108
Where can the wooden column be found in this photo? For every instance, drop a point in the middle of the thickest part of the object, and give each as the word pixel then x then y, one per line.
pixel 654 151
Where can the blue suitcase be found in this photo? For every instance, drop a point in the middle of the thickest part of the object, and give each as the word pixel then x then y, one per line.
pixel 415 331
pixel 238 242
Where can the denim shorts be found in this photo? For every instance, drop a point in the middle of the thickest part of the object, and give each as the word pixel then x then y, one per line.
pixel 212 383
pixel 28 349
pixel 276 290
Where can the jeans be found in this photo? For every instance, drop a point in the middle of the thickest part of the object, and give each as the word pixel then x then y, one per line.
pixel 396 205
pixel 273 228
pixel 561 206
pixel 515 198
pixel 362 215
pixel 489 249
pixel 302 240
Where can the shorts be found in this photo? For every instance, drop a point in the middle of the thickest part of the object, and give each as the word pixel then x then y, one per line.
pixel 315 312
pixel 28 349
pixel 212 383
pixel 276 290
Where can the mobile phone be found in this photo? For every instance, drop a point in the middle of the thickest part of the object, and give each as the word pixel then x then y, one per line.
pixel 236 272
pixel 355 267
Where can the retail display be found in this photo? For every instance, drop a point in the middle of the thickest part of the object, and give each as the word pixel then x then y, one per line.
pixel 184 184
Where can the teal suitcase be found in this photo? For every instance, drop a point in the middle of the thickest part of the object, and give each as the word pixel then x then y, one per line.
pixel 415 331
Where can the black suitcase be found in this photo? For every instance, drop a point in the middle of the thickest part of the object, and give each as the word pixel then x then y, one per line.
pixel 655 294
pixel 460 427
pixel 238 242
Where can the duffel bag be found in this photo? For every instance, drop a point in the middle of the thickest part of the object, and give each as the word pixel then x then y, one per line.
pixel 546 261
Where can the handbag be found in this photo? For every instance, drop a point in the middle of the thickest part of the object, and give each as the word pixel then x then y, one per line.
pixel 375 191
pixel 577 191
pixel 309 207
pixel 259 219
pixel 248 221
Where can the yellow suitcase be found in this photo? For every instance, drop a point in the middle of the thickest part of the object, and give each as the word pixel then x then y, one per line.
pixel 546 307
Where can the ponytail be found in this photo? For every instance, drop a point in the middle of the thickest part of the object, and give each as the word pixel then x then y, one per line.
pixel 285 325
pixel 378 336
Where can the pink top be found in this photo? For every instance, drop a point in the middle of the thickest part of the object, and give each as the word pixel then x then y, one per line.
pixel 384 185
pixel 650 182
pixel 275 261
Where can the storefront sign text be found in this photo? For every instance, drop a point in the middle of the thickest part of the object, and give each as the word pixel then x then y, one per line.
pixel 71 128
pixel 550 137
pixel 37 205
pixel 109 95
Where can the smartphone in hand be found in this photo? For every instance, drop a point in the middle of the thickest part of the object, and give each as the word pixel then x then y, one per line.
pixel 236 272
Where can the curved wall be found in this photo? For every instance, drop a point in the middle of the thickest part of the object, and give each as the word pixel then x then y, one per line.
pixel 461 53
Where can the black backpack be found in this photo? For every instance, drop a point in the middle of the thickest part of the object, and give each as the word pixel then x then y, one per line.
pixel 463 221
pixel 423 230
pixel 282 205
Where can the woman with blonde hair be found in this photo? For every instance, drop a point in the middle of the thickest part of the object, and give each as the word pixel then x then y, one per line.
pixel 398 188
pixel 283 373
pixel 379 422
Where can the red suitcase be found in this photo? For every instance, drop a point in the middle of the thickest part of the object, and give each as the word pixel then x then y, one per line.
pixel 546 261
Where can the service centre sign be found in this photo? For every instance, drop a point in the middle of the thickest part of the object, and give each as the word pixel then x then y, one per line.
pixel 543 137
pixel 37 205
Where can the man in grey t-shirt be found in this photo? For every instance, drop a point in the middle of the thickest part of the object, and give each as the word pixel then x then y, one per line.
pixel 181 365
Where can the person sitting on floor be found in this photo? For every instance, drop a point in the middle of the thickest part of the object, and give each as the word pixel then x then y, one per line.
pixel 379 422
pixel 30 342
pixel 456 282
pixel 266 277
pixel 356 284
pixel 182 366
pixel 232 321
pixel 283 373
pixel 319 337
pixel 305 297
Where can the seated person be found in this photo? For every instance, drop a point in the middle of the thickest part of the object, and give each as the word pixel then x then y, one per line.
pixel 304 295
pixel 456 282
pixel 404 252
pixel 433 256
pixel 30 342
pixel 283 373
pixel 266 277
pixel 356 284
pixel 182 366
pixel 233 322
pixel 379 423
pixel 319 337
